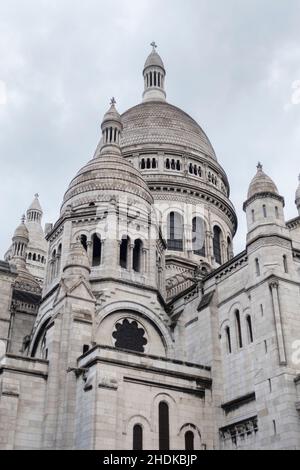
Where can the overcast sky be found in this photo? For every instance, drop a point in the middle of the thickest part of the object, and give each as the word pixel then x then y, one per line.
pixel 233 65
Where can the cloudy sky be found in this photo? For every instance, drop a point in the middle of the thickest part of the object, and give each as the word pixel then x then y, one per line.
pixel 234 65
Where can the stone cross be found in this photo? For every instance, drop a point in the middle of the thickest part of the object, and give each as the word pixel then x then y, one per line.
pixel 113 101
pixel 154 45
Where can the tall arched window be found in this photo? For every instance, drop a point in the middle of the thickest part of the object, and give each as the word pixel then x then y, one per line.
pixel 249 328
pixel 189 440
pixel 199 236
pixel 137 437
pixel 217 244
pixel 83 239
pixel 164 430
pixel 137 256
pixel 96 260
pixel 58 260
pixel 229 248
pixel 238 329
pixel 175 232
pixel 124 252
pixel 228 339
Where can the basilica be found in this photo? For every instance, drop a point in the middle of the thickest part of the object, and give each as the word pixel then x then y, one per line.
pixel 130 323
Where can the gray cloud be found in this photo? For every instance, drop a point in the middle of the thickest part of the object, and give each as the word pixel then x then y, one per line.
pixel 231 65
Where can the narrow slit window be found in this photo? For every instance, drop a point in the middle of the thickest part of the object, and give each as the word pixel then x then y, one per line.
pixel 239 329
pixel 164 431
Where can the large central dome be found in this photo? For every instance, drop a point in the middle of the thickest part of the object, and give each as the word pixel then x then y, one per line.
pixel 158 122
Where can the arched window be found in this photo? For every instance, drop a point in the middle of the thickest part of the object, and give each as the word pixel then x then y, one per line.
pixel 137 256
pixel 229 248
pixel 153 163
pixel 164 431
pixel 253 215
pixel 217 245
pixel 265 211
pixel 34 257
pixel 137 437
pixel 29 256
pixel 198 227
pixel 199 171
pixel 83 239
pixel 175 231
pixel 238 328
pixel 276 212
pixel 167 164
pixel 285 264
pixel 96 260
pixel 178 165
pixel 173 165
pixel 191 168
pixel 228 339
pixel 189 440
pixel 143 164
pixel 148 164
pixel 124 252
pixel 58 260
pixel 249 328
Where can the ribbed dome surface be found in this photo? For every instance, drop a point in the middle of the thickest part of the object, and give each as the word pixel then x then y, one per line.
pixel 104 173
pixel 21 231
pixel 262 183
pixel 155 60
pixel 158 123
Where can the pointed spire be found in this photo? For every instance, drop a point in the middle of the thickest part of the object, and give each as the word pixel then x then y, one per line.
pixel 111 130
pixel 154 77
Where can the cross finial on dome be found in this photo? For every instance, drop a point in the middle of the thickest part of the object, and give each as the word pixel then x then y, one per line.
pixel 36 195
pixel 154 45
pixel 23 219
pixel 259 166
pixel 113 101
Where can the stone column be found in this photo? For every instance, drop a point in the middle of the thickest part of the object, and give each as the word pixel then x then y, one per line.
pixel 274 287
pixel 144 262
pixel 90 251
pixel 103 244
pixel 130 256
pixel 209 245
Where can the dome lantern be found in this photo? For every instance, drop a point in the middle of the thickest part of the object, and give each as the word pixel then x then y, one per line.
pixel 111 130
pixel 35 212
pixel 154 77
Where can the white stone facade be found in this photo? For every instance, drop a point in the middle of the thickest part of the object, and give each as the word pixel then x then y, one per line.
pixel 135 325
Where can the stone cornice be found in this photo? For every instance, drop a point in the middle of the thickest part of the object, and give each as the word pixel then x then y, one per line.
pixel 263 196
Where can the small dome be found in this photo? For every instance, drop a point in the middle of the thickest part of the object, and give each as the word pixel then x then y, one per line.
pixel 21 231
pixel 154 60
pixel 77 257
pixel 112 114
pixel 261 183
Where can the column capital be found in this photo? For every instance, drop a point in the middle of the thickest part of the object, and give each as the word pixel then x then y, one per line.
pixel 274 284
